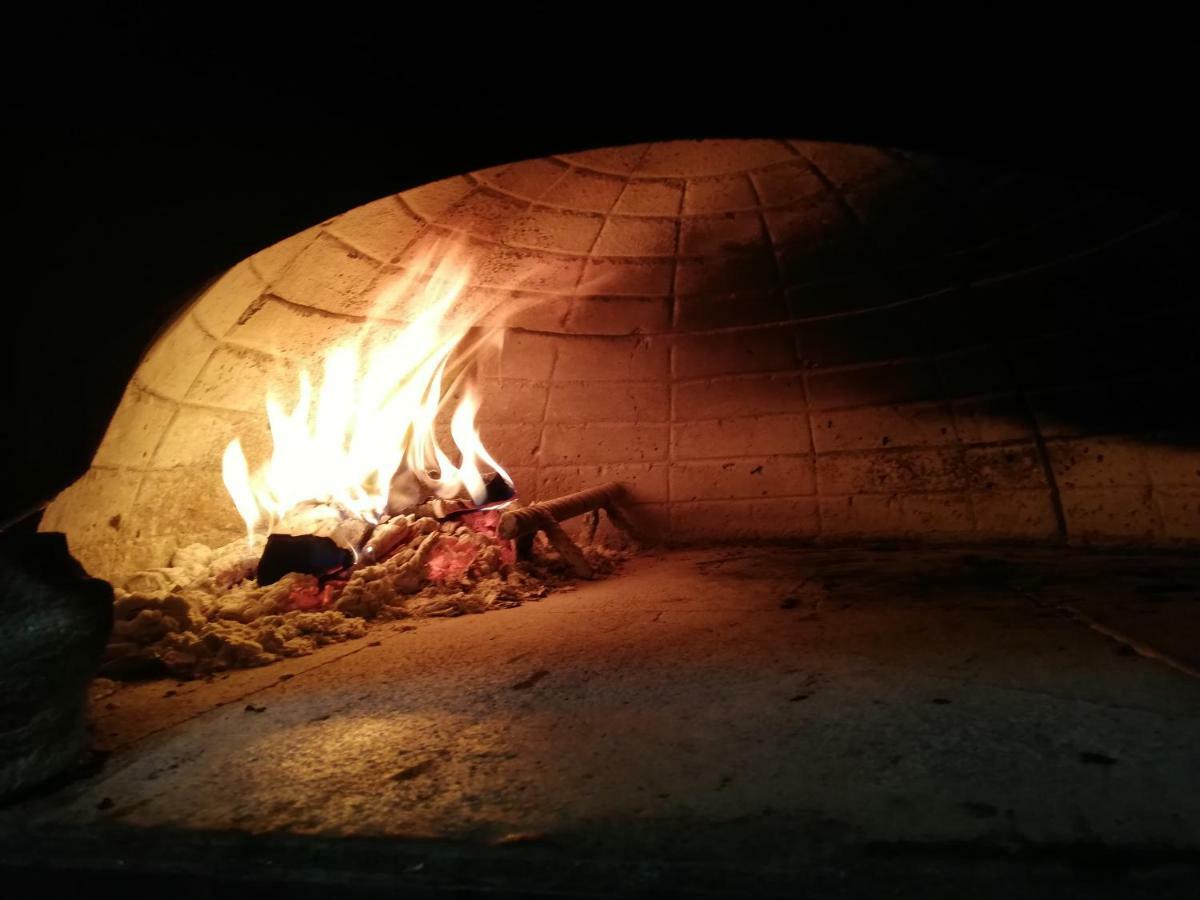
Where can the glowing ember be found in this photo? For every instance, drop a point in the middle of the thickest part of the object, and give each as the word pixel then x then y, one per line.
pixel 364 436
pixel 451 559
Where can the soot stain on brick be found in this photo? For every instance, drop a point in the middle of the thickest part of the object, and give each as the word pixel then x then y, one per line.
pixel 530 681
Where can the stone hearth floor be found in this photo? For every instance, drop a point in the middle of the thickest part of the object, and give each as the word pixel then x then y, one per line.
pixel 749 720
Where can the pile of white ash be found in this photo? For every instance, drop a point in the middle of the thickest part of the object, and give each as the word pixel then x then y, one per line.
pixel 215 609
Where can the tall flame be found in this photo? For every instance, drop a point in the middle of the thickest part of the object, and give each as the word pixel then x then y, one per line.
pixel 365 435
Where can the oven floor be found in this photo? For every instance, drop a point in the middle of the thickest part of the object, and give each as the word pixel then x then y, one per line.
pixel 709 721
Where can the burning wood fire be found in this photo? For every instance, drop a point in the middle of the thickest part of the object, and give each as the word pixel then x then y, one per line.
pixel 359 513
pixel 368 446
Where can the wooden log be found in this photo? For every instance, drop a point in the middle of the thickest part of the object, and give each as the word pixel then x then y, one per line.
pixel 522 523
pixel 527 519
pixel 566 548
pixel 384 539
pixel 304 553
pixel 438 509
pixel 497 491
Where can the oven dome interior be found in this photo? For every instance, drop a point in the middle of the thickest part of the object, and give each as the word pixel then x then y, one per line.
pixel 764 339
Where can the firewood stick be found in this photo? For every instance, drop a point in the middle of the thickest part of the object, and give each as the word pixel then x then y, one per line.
pixel 527 519
pixel 590 525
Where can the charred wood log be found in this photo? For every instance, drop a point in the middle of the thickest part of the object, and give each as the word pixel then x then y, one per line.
pixel 331 520
pixel 439 509
pixel 527 519
pixel 498 490
pixel 305 553
pixel 520 524
pixel 386 538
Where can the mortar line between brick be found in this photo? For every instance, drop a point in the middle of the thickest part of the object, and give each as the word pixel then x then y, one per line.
pixel 672 361
pixel 671 348
pixel 894 304
pixel 1160 522
pixel 947 404
pixel 350 246
pixel 568 168
pixel 780 282
pixel 537 451
pixel 286 266
pixel 407 207
pixel 162 437
pixel 1039 440
pixel 848 453
pixel 588 257
pixel 836 193
pixel 634 175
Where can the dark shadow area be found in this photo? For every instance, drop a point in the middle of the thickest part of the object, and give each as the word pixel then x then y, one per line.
pixel 768 856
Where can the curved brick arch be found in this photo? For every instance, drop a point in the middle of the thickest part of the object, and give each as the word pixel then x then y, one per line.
pixel 765 339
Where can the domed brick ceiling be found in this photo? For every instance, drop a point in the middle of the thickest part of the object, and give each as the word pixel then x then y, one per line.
pixel 764 339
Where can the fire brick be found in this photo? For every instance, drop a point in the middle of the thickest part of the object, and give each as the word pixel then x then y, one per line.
pixel 769 476
pixel 865 428
pixel 328 275
pixel 892 471
pixel 650 198
pixel 733 353
pixel 619 315
pixel 197 436
pixel 603 442
pixel 620 402
pixel 632 358
pixel 135 430
pixel 174 362
pixel 1110 513
pixel 381 229
pixel 703 311
pixel 431 200
pixel 734 438
pixel 223 304
pixel 1015 514
pixel 740 395
pixel 696 159
pixel 527 180
pixel 636 236
pixel 585 191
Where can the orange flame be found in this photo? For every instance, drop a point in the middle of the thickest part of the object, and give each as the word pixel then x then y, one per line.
pixel 367 430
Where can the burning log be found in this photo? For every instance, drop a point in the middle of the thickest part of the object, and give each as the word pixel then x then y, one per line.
pixel 521 524
pixel 374 586
pixel 439 509
pixel 331 520
pixel 517 522
pixel 386 538
pixel 306 553
pixel 497 491
pixel 498 488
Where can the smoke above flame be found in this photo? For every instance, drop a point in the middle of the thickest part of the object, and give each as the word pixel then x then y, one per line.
pixel 364 435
